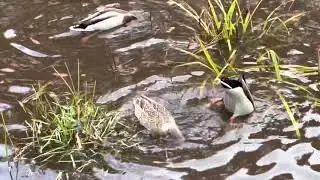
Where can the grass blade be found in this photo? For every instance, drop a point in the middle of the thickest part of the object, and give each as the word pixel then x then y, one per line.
pixel 212 64
pixel 290 113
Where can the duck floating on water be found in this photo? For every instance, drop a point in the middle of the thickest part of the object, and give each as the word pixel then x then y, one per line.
pixel 237 98
pixel 155 117
pixel 106 19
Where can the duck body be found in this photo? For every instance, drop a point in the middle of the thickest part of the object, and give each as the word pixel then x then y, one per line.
pixel 237 98
pixel 236 102
pixel 104 20
pixel 154 117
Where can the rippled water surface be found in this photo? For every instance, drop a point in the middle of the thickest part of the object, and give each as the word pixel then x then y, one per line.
pixel 138 58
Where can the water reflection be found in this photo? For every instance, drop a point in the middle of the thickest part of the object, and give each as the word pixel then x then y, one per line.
pixel 285 162
pixel 138 59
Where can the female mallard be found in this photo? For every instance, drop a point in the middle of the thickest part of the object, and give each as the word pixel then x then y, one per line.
pixel 106 19
pixel 237 98
pixel 155 117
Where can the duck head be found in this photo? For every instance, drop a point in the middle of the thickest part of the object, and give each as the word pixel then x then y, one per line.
pixel 128 18
pixel 230 83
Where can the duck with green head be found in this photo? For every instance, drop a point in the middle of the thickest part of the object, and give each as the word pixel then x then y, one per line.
pixel 104 20
pixel 237 98
pixel 107 19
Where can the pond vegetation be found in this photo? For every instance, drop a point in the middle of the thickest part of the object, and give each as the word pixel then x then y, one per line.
pixel 227 24
pixel 69 128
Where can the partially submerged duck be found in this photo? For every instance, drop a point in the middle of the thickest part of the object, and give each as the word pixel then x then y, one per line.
pixel 155 117
pixel 237 98
pixel 104 20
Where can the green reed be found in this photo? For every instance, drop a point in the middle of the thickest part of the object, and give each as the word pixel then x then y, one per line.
pixel 226 23
pixel 8 142
pixel 69 127
pixel 290 113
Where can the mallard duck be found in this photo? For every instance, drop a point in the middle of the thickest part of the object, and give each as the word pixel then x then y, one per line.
pixel 106 19
pixel 237 98
pixel 155 117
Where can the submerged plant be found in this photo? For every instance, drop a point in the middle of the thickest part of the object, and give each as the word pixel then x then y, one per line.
pixel 70 127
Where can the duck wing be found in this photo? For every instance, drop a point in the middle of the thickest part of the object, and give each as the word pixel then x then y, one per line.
pixel 148 110
pixel 246 89
pixel 98 17
pixel 103 14
pixel 153 107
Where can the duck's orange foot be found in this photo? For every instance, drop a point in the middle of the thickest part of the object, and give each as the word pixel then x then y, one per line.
pixel 86 38
pixel 232 120
pixel 233 124
pixel 214 102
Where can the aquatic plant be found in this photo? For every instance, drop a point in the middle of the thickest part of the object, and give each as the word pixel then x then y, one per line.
pixel 226 21
pixel 224 24
pixel 8 143
pixel 290 113
pixel 273 65
pixel 69 126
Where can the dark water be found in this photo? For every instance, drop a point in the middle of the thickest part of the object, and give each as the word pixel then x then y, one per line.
pixel 138 58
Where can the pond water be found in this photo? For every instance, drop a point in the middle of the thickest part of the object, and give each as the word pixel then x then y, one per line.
pixel 139 58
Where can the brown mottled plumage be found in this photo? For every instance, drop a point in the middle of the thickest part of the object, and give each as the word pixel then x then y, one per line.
pixel 154 117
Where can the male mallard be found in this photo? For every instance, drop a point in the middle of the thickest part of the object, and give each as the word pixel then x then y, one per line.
pixel 237 98
pixel 106 19
pixel 155 117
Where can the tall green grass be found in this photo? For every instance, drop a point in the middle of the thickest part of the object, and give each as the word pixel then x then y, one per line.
pixel 225 25
pixel 8 143
pixel 272 55
pixel 319 60
pixel 226 21
pixel 68 127
pixel 290 113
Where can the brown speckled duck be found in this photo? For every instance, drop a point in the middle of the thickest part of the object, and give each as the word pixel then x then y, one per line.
pixel 154 117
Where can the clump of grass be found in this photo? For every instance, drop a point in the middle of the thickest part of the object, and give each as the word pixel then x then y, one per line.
pixel 226 21
pixel 226 24
pixel 70 127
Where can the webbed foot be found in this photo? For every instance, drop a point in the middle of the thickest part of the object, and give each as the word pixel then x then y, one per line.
pixel 86 38
pixel 233 124
pixel 214 102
